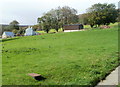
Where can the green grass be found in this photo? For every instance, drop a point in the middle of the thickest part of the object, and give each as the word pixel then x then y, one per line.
pixel 118 85
pixel 75 58
pixel 112 25
pixel 42 32
pixel 51 31
pixel 87 27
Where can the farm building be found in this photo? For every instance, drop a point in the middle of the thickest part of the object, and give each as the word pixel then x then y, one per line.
pixel 73 27
pixel 29 32
pixel 7 34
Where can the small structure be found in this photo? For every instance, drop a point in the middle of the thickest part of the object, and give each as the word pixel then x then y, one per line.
pixel 37 76
pixel 73 27
pixel 7 34
pixel 29 32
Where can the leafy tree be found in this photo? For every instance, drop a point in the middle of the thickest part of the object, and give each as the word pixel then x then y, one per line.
pixel 14 25
pixel 69 15
pixel 83 18
pixel 14 22
pixel 14 31
pixel 45 22
pixel 56 18
pixel 102 14
pixel 21 31
pixel 35 27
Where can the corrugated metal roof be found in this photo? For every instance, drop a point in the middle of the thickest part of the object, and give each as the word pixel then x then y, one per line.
pixel 8 33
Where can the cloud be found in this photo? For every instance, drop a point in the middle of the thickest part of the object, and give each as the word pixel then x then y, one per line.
pixel 27 11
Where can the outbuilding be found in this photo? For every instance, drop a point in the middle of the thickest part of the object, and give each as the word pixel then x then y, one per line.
pixel 29 32
pixel 7 34
pixel 73 27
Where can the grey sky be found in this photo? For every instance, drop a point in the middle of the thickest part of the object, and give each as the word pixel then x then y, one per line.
pixel 27 11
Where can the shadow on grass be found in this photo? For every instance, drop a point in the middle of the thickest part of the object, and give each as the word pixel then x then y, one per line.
pixel 39 78
pixel 8 39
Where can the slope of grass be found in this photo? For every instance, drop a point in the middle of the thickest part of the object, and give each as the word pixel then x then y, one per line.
pixel 75 58
pixel 51 31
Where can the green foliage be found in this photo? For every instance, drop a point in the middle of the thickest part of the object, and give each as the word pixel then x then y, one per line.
pixel 11 27
pixel 42 32
pixel 56 18
pixel 75 58
pixel 14 22
pixel 21 31
pixel 118 85
pixel 60 30
pixel 83 18
pixel 3 28
pixel 14 31
pixel 36 27
pixel 52 31
pixel 102 14
pixel 14 25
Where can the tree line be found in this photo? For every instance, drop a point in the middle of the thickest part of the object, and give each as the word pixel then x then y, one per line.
pixel 56 18
pixel 100 14
pixel 14 27
pixel 96 15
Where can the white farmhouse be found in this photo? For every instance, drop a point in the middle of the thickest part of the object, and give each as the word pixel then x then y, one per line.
pixel 29 32
pixel 7 34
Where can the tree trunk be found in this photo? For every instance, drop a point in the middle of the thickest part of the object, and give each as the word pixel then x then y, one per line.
pixel 47 30
pixel 91 25
pixel 57 29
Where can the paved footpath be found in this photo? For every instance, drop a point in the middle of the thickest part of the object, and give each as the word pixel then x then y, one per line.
pixel 111 79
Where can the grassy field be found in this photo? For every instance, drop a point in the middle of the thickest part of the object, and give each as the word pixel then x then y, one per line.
pixel 51 31
pixel 75 58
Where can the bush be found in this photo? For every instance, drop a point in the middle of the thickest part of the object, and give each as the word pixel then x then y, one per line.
pixel 15 31
pixel 21 31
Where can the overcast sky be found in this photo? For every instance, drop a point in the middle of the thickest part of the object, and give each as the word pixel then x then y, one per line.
pixel 27 11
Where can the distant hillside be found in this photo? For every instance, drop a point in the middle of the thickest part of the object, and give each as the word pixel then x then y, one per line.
pixel 19 25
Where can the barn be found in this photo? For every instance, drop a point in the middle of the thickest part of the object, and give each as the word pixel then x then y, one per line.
pixel 29 32
pixel 73 27
pixel 7 34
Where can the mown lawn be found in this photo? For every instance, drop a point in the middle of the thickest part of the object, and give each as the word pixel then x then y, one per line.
pixel 75 58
